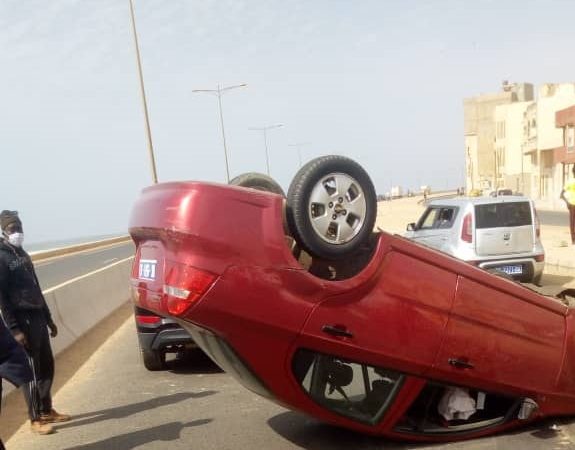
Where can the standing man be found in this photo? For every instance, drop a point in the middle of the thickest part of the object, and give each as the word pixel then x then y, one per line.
pixel 28 318
pixel 568 195
pixel 14 365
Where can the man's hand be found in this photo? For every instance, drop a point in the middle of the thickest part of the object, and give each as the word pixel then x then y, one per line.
pixel 53 329
pixel 21 339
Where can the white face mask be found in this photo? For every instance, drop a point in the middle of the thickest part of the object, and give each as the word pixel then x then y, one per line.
pixel 16 239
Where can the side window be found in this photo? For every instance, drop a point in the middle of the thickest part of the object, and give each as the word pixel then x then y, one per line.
pixel 357 391
pixel 446 217
pixel 437 217
pixel 441 409
pixel 428 220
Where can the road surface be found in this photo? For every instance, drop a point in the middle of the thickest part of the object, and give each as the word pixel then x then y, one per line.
pixel 54 271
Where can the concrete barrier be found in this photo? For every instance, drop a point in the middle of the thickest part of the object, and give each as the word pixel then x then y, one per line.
pixel 80 303
pixel 45 254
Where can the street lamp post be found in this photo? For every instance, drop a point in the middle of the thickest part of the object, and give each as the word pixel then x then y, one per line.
pixel 218 93
pixel 265 133
pixel 299 145
pixel 143 95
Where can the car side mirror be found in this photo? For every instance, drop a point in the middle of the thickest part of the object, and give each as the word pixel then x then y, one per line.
pixel 411 226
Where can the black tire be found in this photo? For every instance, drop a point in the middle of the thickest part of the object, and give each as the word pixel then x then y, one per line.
pixel 154 360
pixel 537 279
pixel 354 209
pixel 258 181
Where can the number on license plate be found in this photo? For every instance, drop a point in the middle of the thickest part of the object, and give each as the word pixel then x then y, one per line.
pixel 511 270
pixel 147 269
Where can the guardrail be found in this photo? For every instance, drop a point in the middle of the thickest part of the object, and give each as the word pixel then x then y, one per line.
pixel 45 254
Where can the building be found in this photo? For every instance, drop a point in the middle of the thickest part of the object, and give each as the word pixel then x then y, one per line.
pixel 551 98
pixel 482 161
pixel 515 141
pixel 564 157
pixel 513 167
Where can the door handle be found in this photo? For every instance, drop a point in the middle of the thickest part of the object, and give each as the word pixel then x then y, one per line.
pixel 460 363
pixel 336 330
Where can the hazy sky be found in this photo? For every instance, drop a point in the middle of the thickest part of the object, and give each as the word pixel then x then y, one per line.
pixel 379 81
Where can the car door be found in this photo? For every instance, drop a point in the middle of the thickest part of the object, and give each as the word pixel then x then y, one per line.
pixel 502 335
pixel 388 320
pixel 435 227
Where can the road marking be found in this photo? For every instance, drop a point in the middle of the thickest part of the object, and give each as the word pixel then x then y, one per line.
pixel 72 280
pixel 82 252
pixel 108 261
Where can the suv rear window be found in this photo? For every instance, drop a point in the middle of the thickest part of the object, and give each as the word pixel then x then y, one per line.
pixel 498 215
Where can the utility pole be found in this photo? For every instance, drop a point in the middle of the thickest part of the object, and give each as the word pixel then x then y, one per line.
pixel 218 93
pixel 265 133
pixel 299 145
pixel 143 95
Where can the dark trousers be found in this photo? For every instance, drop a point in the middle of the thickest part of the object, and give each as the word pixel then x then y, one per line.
pixel 572 221
pixel 38 392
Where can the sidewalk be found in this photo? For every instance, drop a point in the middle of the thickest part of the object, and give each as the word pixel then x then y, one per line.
pixel 393 216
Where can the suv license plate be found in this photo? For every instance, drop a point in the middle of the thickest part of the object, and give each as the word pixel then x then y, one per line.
pixel 511 270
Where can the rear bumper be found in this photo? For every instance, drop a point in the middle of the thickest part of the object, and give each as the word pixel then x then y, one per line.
pixel 532 269
pixel 168 339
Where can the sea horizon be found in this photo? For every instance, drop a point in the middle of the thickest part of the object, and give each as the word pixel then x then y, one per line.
pixel 59 243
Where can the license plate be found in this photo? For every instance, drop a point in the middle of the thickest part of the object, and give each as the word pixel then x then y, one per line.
pixel 511 270
pixel 147 269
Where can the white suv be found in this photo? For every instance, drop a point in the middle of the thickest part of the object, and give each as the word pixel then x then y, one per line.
pixel 499 233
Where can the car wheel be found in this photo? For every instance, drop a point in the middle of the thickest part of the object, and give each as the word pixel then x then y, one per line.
pixel 258 181
pixel 331 207
pixel 154 360
pixel 537 279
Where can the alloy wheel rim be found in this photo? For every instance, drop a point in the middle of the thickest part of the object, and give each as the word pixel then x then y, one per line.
pixel 337 208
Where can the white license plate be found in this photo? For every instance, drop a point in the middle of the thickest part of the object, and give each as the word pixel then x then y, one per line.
pixel 147 269
pixel 511 270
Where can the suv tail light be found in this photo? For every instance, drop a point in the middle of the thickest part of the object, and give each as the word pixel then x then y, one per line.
pixel 540 258
pixel 184 286
pixel 537 224
pixel 467 228
pixel 147 320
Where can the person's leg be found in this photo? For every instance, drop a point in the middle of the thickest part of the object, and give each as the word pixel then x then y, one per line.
pixel 41 353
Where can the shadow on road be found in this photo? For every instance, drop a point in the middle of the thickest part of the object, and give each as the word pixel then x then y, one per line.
pixel 164 433
pixel 313 435
pixel 121 412
pixel 196 362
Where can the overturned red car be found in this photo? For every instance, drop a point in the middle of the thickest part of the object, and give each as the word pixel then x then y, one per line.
pixel 304 304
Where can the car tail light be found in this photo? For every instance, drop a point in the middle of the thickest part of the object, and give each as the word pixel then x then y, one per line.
pixel 148 320
pixel 537 224
pixel 467 228
pixel 184 286
pixel 540 258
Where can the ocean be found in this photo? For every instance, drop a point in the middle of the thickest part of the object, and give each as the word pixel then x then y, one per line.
pixel 48 245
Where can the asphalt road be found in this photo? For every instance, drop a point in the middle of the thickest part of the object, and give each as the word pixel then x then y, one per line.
pixel 63 268
pixel 117 404
pixel 555 218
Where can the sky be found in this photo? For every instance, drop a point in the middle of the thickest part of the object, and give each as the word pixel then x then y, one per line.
pixel 381 82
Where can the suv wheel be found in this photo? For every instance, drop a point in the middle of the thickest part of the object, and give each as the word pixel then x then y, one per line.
pixel 154 360
pixel 258 181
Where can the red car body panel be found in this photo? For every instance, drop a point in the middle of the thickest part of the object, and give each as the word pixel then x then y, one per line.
pixel 411 309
